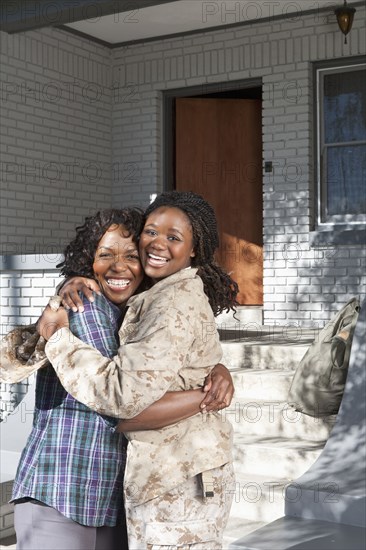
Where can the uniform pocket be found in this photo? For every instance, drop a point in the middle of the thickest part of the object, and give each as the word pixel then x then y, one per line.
pixel 181 534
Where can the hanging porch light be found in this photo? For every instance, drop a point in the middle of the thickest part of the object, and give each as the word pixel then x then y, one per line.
pixel 345 16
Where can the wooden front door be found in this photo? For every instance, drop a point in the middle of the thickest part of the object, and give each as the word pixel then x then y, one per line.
pixel 219 155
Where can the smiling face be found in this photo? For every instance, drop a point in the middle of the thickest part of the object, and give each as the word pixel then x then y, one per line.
pixel 166 243
pixel 117 265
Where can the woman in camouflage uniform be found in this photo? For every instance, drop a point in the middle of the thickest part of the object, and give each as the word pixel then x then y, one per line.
pixel 68 490
pixel 179 480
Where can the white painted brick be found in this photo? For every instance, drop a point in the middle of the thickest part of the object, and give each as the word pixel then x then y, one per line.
pixel 7 532
pixel 201 40
pixel 310 307
pixel 7 522
pixel 276 315
pixel 217 56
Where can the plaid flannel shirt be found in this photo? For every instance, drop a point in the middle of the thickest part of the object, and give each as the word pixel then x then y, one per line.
pixel 169 342
pixel 74 460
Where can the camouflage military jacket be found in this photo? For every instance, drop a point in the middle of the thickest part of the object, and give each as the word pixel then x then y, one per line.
pixel 168 342
pixel 21 354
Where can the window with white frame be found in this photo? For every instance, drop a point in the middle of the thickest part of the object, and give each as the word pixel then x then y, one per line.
pixel 341 144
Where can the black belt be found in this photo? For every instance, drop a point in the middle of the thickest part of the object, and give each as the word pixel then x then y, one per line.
pixel 29 499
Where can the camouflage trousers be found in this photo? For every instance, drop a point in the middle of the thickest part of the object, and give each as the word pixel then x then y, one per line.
pixel 192 516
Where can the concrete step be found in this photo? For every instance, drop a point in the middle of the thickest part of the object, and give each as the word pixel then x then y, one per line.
pixel 239 355
pixel 272 384
pixel 264 347
pixel 286 457
pixel 258 333
pixel 259 498
pixel 276 419
pixel 244 314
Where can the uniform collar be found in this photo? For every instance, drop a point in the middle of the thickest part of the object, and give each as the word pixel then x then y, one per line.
pixel 160 286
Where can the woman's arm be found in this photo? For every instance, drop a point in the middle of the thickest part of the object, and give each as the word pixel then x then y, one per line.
pixel 171 408
pixel 69 292
pixel 144 369
pixel 219 386
pixel 179 405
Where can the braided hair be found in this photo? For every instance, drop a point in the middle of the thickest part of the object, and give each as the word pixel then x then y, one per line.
pixel 219 287
pixel 79 253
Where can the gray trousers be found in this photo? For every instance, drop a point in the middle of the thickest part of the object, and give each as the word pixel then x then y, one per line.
pixel 40 527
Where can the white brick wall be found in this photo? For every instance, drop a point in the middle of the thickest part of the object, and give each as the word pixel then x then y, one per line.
pixel 24 292
pixel 302 283
pixel 82 127
pixel 55 137
pixel 6 510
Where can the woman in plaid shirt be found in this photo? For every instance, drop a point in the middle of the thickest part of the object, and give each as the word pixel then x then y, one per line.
pixel 179 481
pixel 68 491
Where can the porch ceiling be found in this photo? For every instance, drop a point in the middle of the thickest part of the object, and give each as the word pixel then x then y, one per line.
pixel 120 22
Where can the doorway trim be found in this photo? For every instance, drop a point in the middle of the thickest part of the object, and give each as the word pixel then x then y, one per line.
pixel 203 89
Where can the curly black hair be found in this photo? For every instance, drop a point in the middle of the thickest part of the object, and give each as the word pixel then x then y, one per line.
pixel 219 287
pixel 79 253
